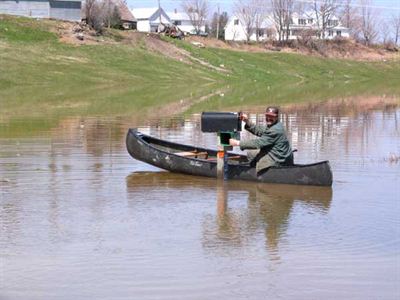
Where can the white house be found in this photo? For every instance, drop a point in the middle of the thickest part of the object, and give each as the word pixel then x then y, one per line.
pixel 149 19
pixel 69 10
pixel 309 21
pixel 235 29
pixel 183 22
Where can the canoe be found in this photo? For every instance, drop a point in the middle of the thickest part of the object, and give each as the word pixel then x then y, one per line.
pixel 198 161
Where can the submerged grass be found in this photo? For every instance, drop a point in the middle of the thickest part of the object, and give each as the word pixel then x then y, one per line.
pixel 43 78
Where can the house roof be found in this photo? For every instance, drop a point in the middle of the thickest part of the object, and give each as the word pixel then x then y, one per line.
pixel 178 16
pixel 266 23
pixel 144 13
pixel 124 11
pixel 312 14
pixel 164 20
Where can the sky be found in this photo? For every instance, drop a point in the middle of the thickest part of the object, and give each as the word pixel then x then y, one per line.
pixel 170 5
pixel 385 6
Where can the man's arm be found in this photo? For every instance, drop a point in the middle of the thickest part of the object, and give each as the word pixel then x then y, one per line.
pixel 257 130
pixel 252 128
pixel 264 141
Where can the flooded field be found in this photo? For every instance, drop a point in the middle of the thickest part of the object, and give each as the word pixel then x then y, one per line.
pixel 80 219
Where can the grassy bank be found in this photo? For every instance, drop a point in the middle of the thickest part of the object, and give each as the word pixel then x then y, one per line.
pixel 279 78
pixel 43 78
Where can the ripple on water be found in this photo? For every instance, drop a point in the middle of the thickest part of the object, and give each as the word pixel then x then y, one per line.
pixel 80 219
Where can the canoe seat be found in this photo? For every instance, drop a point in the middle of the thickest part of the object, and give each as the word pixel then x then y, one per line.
pixel 193 154
pixel 236 157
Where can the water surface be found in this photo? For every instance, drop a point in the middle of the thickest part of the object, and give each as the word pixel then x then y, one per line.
pixel 80 219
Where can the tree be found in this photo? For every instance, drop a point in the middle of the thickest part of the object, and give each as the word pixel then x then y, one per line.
pixel 282 11
pixel 197 11
pixel 260 17
pixel 385 34
pixel 91 10
pixel 115 18
pixel 218 24
pixel 396 28
pixel 251 14
pixel 349 18
pixel 94 13
pixel 368 21
pixel 100 13
pixel 111 13
pixel 324 10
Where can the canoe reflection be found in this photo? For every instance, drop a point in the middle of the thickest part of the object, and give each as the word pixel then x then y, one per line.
pixel 267 207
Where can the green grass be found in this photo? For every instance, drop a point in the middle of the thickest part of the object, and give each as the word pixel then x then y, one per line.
pixel 46 78
pixel 279 78
pixel 42 78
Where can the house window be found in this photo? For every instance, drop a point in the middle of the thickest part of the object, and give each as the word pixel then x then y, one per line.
pixel 333 23
pixel 295 32
pixel 302 21
pixel 330 32
pixel 310 21
pixel 177 23
pixel 260 32
pixel 338 33
pixel 236 22
pixel 65 4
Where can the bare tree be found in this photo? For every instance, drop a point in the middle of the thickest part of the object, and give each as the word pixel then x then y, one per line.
pixel 197 11
pixel 347 13
pixel 368 21
pixel 385 34
pixel 324 11
pixel 108 8
pixel 246 11
pixel 94 14
pixel 218 23
pixel 101 13
pixel 396 28
pixel 260 17
pixel 90 8
pixel 349 17
pixel 282 11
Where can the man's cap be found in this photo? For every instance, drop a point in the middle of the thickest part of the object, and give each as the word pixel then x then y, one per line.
pixel 272 111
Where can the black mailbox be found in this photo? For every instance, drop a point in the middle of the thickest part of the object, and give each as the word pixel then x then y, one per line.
pixel 220 122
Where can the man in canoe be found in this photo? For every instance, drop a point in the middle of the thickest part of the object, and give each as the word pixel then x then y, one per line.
pixel 272 147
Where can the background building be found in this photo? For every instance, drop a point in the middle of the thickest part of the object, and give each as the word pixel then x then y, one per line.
pixel 300 26
pixel 149 19
pixel 69 10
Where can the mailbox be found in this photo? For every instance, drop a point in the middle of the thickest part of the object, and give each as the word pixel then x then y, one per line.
pixel 220 122
pixel 226 124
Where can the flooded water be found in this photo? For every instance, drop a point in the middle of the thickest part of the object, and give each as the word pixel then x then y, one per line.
pixel 80 219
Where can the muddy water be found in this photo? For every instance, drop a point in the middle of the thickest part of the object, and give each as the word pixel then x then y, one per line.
pixel 80 219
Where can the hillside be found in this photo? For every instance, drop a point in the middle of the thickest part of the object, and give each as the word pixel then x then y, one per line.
pixel 79 34
pixel 48 71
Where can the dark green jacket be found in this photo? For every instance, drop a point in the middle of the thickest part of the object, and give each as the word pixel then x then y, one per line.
pixel 272 141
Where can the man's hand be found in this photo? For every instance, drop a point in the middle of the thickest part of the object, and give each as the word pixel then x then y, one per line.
pixel 244 117
pixel 234 142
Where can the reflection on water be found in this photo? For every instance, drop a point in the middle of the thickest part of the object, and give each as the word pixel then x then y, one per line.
pixel 268 205
pixel 80 219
